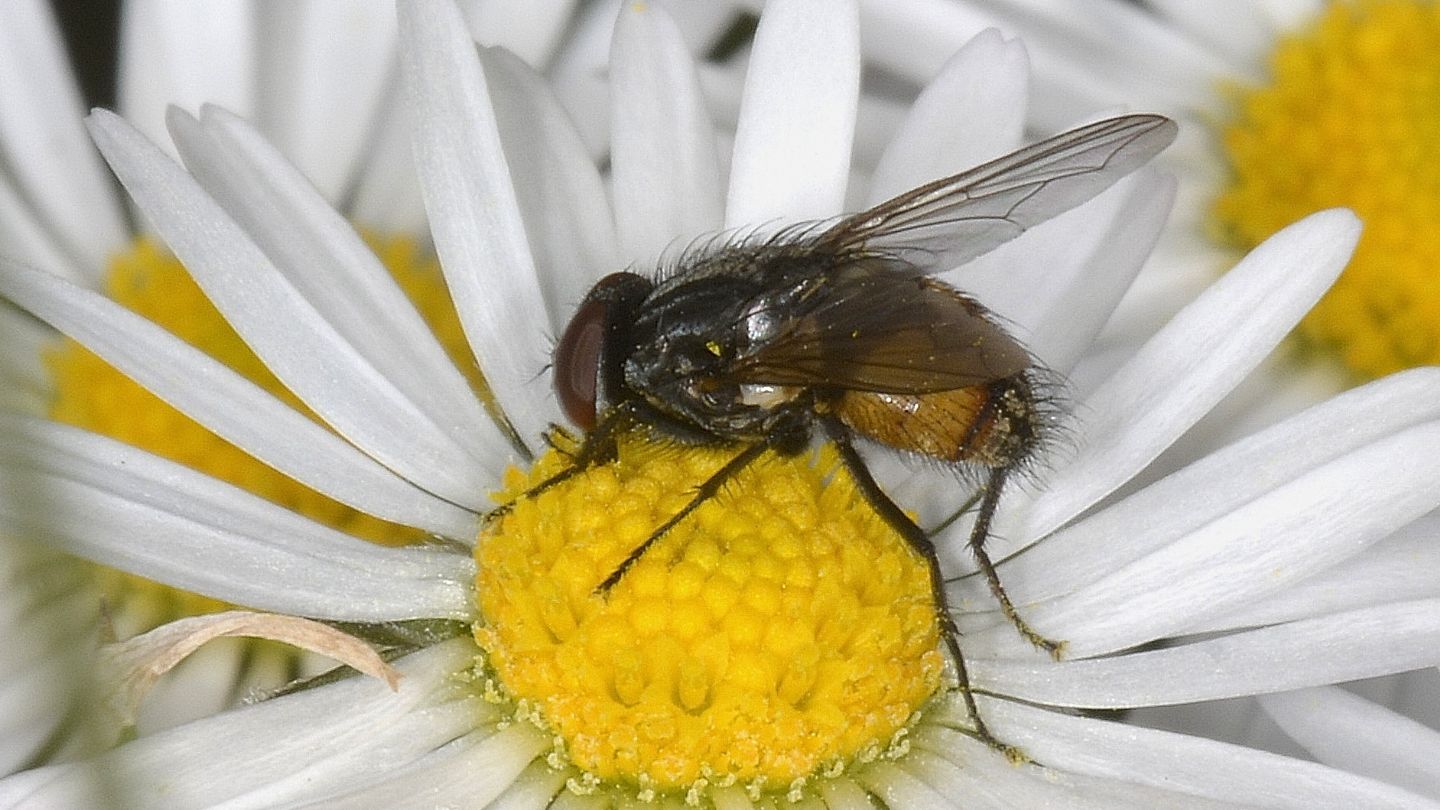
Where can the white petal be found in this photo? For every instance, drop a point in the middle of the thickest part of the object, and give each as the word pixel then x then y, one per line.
pixel 103 500
pixel 47 626
pixel 334 270
pixel 877 121
pixel 44 146
pixel 1192 765
pixel 843 794
pixel 1062 332
pixel 1346 731
pixel 26 240
pixel 325 67
pixel 1189 365
pixel 958 765
pixel 1147 63
pixel 792 143
pixel 915 37
pixel 1314 652
pixel 1234 720
pixel 185 54
pixel 1319 520
pixel 578 73
pixel 1414 694
pixel 531 31
pixel 532 789
pixel 474 215
pixel 1058 283
pixel 1400 568
pixel 305 352
pixel 733 798
pixel 562 201
pixel 896 788
pixel 467 772
pixel 1241 30
pixel 664 161
pixel 230 405
pixel 387 191
pixel 310 746
pixel 1205 491
pixel 23 341
pixel 973 111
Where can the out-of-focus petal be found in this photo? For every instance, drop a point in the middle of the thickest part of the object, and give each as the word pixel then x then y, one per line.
pixel 563 201
pixel 663 154
pixel 1344 730
pixel 45 150
pixel 973 111
pixel 792 145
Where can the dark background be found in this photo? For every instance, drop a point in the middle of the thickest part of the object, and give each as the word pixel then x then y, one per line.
pixel 90 28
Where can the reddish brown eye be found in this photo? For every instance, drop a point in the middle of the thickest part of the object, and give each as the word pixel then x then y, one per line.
pixel 577 362
pixel 589 356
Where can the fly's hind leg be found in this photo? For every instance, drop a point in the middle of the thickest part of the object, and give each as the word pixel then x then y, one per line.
pixel 978 535
pixel 916 538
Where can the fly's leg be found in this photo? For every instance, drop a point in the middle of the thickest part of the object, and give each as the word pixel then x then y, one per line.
pixel 916 538
pixel 978 534
pixel 599 448
pixel 954 516
pixel 704 492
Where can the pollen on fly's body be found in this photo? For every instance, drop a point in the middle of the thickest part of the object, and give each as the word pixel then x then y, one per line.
pixel 839 330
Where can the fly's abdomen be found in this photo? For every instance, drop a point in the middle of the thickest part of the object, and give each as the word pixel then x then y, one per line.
pixel 992 424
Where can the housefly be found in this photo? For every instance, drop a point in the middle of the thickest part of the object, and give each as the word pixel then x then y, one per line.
pixel 840 330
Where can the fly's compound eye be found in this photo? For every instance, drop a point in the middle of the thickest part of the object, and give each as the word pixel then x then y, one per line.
pixel 577 363
pixel 598 334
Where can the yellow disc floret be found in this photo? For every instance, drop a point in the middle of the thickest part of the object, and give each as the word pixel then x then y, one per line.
pixel 89 393
pixel 780 629
pixel 1352 118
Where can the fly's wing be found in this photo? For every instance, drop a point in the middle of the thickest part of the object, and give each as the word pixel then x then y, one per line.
pixel 951 221
pixel 867 327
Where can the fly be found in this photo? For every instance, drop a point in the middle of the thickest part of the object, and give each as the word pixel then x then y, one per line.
pixel 841 331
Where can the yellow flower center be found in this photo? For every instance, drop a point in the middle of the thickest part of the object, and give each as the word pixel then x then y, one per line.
pixel 1352 118
pixel 778 633
pixel 89 393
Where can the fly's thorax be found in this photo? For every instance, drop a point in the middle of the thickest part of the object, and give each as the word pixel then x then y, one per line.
pixel 691 336
pixel 993 424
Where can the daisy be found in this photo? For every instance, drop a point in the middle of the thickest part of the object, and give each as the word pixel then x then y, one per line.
pixel 479 715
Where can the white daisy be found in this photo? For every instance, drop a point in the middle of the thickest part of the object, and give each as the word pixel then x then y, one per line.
pixel 522 226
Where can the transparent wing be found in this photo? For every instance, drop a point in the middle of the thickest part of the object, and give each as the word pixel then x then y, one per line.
pixel 869 329
pixel 946 223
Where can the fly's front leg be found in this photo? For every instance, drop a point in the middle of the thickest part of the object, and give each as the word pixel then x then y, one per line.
pixel 599 447
pixel 704 492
